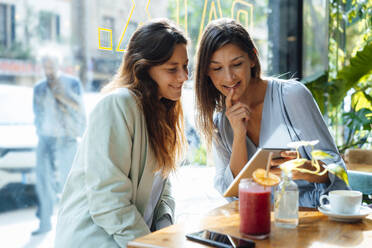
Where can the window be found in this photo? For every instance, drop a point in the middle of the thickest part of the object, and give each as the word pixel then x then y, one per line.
pixel 7 25
pixel 49 25
pixel 108 37
pixel 315 41
pixel 92 36
pixel 3 26
pixel 130 30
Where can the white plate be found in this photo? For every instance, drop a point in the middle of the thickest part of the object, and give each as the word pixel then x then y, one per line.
pixel 364 211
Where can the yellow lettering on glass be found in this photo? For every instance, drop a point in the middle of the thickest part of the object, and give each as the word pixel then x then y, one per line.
pixel 178 14
pixel 118 49
pixel 243 13
pixel 212 11
pixel 239 9
pixel 147 10
pixel 99 38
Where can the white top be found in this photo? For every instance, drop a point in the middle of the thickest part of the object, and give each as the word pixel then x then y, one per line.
pixel 157 188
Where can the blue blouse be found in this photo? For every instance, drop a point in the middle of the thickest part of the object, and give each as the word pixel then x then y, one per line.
pixel 289 114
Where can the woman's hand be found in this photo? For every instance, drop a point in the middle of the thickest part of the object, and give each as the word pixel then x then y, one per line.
pixel 296 175
pixel 285 156
pixel 238 115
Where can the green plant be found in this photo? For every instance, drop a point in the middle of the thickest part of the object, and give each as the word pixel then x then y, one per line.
pixel 200 156
pixel 359 128
pixel 349 74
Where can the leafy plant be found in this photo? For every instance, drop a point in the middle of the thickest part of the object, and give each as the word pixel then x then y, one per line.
pixel 200 156
pixel 359 128
pixel 327 90
pixel 349 73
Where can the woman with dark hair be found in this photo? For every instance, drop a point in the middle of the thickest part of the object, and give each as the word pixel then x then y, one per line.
pixel 118 189
pixel 252 112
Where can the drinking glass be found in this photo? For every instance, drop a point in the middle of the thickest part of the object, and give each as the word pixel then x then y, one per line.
pixel 254 208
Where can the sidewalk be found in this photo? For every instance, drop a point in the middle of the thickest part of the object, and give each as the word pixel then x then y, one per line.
pixel 193 190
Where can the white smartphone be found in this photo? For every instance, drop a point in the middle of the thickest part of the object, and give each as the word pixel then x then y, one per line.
pixel 221 240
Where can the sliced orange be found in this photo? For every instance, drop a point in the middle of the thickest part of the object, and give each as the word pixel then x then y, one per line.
pixel 259 176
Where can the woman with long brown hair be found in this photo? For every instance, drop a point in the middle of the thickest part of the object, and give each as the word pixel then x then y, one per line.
pixel 252 112
pixel 118 189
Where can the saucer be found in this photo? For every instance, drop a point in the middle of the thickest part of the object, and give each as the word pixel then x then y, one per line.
pixel 364 211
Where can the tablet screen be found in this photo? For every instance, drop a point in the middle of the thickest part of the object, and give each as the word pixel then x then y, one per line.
pixel 258 160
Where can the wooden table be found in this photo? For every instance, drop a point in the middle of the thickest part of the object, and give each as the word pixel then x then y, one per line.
pixel 314 230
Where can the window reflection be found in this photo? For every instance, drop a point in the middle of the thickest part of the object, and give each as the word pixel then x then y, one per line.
pixel 315 41
pixel 287 41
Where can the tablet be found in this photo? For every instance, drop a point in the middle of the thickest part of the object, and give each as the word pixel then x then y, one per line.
pixel 258 160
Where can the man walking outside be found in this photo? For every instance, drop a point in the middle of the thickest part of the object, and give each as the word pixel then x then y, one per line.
pixel 59 120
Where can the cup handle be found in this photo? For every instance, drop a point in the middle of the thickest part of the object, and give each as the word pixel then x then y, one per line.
pixel 322 198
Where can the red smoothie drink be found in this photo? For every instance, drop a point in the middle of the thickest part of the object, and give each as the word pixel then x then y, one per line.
pixel 254 207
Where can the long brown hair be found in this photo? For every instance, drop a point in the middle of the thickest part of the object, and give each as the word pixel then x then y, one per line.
pixel 217 34
pixel 150 45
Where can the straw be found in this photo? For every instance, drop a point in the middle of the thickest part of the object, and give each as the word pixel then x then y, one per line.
pixel 268 164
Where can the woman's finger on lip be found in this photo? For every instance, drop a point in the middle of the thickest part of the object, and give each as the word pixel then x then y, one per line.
pixel 229 99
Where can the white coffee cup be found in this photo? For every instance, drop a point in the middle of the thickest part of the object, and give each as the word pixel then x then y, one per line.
pixel 343 201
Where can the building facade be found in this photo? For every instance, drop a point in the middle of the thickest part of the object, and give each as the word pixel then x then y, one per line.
pixel 71 27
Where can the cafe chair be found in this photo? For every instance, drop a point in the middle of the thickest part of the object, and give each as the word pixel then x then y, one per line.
pixel 361 181
pixel 358 159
